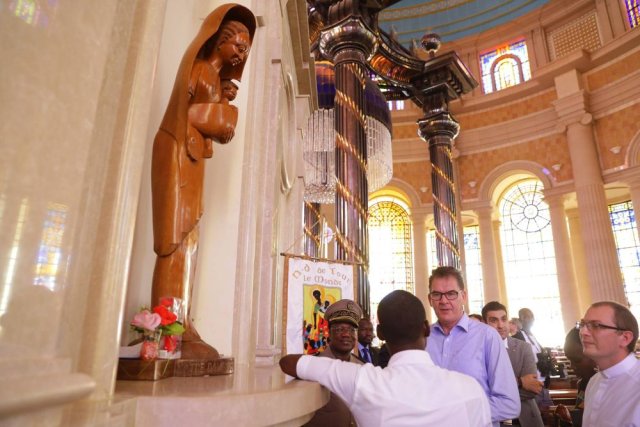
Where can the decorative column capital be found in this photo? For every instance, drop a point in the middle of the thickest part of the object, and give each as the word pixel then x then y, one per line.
pixel 440 124
pixel 554 199
pixel 348 40
pixel 573 109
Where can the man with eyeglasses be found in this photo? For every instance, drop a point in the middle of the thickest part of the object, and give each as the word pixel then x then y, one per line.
pixel 411 390
pixel 609 333
pixel 470 347
pixel 343 317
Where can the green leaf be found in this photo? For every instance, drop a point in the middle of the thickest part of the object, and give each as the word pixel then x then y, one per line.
pixel 175 328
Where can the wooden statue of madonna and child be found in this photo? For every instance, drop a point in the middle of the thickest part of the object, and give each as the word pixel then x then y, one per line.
pixel 198 114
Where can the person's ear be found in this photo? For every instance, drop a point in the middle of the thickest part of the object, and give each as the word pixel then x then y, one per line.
pixel 380 332
pixel 627 337
pixel 427 329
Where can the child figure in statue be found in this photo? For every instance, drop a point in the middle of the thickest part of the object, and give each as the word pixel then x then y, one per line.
pixel 198 114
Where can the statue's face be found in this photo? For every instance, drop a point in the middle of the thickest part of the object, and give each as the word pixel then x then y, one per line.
pixel 236 49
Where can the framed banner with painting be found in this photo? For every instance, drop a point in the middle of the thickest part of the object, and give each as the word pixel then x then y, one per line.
pixel 310 286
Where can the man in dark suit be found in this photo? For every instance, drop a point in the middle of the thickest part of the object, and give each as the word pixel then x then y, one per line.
pixel 523 363
pixel 365 335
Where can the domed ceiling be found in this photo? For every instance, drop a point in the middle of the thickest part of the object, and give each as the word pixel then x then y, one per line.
pixel 451 19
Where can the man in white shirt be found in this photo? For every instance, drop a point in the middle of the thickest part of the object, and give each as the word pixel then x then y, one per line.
pixel 609 333
pixel 411 391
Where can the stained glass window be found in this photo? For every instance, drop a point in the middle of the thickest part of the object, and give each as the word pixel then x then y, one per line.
pixel 390 249
pixel 529 259
pixel 473 268
pixel 623 222
pixel 473 265
pixel 505 66
pixel 633 12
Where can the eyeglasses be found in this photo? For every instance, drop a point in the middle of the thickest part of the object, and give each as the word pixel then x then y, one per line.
pixel 437 296
pixel 592 325
pixel 343 330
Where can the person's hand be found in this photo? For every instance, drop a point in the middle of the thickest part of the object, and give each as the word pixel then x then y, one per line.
pixel 530 383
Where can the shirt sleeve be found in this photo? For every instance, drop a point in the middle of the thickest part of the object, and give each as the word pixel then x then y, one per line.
pixel 338 376
pixel 504 398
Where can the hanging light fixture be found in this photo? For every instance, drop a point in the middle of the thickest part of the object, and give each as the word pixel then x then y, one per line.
pixel 319 139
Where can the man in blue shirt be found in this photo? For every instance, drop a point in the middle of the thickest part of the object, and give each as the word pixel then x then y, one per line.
pixel 470 347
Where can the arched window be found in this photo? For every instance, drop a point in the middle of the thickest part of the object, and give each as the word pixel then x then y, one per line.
pixel 623 222
pixel 505 66
pixel 529 259
pixel 633 12
pixel 390 249
pixel 472 266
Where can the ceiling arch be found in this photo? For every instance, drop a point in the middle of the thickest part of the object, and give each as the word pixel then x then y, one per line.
pixel 451 19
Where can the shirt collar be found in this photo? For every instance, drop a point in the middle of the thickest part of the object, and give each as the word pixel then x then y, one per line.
pixel 410 356
pixel 621 367
pixel 463 323
pixel 506 343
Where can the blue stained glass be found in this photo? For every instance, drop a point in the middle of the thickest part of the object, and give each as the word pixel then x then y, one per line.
pixel 633 12
pixel 625 232
pixel 506 68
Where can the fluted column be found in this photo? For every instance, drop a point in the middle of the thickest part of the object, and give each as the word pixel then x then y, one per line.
pixel 605 278
pixel 564 263
pixel 349 42
pixel 579 259
pixel 420 264
pixel 490 275
pixel 496 224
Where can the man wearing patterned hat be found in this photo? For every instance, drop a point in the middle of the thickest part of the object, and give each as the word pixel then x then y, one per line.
pixel 343 317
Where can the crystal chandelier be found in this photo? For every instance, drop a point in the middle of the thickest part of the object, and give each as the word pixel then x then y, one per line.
pixel 319 140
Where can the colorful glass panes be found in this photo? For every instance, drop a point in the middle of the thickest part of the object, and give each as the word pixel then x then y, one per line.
pixel 390 249
pixel 510 64
pixel 633 12
pixel 625 231
pixel 529 259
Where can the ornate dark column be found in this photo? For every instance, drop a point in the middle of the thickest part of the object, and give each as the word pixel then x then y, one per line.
pixel 312 229
pixel 349 42
pixel 444 78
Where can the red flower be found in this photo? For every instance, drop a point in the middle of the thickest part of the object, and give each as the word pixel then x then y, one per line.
pixel 166 316
pixel 166 301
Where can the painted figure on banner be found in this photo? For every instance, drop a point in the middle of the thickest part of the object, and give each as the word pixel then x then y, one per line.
pixel 198 114
pixel 315 330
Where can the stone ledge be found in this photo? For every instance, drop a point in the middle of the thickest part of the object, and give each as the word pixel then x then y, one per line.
pixel 249 397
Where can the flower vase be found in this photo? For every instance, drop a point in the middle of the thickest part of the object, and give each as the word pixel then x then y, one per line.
pixel 171 344
pixel 170 347
pixel 150 346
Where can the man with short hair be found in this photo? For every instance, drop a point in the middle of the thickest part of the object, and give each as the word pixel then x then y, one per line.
pixel 365 335
pixel 470 347
pixel 343 317
pixel 411 391
pixel 609 333
pixel 523 363
pixel 526 319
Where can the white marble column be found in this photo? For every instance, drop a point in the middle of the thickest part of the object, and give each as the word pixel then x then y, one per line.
pixel 420 264
pixel 579 260
pixel 490 274
pixel 502 282
pixel 605 278
pixel 564 263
